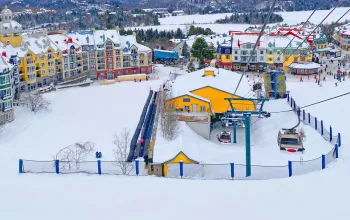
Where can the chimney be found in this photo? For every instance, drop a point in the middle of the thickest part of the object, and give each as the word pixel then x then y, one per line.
pixel 3 54
pixel 134 34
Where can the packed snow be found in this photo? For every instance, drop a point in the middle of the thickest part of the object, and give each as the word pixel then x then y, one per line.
pixel 208 20
pixel 94 113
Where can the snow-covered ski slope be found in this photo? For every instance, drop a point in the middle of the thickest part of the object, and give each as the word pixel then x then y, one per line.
pixel 320 195
pixel 207 21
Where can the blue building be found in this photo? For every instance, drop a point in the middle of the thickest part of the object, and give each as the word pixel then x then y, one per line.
pixel 6 90
pixel 164 56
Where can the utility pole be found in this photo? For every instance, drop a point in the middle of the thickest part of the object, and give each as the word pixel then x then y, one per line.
pixel 247 144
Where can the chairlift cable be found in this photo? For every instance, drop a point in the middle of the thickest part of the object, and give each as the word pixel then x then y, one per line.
pixel 315 103
pixel 317 28
pixel 295 36
pixel 257 42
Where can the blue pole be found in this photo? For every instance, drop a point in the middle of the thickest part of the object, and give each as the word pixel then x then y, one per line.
pixel 57 164
pixel 137 167
pixel 315 123
pixel 339 140
pixel 99 167
pixel 232 170
pixel 20 166
pixel 287 97
pixel 330 134
pixel 321 127
pixel 181 169
pixel 291 102
pixel 309 116
pixel 298 112
pixel 323 161
pixel 234 132
pixel 290 170
pixel 247 143
pixel 336 151
pixel 275 84
pixel 295 105
pixel 303 115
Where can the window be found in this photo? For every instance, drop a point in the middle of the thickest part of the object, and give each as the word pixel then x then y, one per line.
pixel 248 46
pixel 261 52
pixel 261 58
pixel 43 72
pixel 270 59
pixel 278 52
pixel 117 59
pixel 109 60
pixel 42 65
pixel 186 100
pixel 187 108
pixel 7 104
pixel 110 66
pixel 5 79
pixel 7 92
pixel 278 58
pixel 109 53
pixel 295 59
pixel 236 58
pixel 118 65
pixel 236 51
pixel 227 57
pixel 202 108
pixel 244 52
pixel 117 52
pixel 141 61
pixel 227 50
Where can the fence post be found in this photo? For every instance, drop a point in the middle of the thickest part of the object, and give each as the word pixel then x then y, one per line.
pixel 137 167
pixel 99 167
pixel 339 140
pixel 291 102
pixel 290 170
pixel 298 112
pixel 321 127
pixel 57 164
pixel 232 170
pixel 323 161
pixel 315 123
pixel 336 151
pixel 181 168
pixel 330 134
pixel 20 166
pixel 303 115
pixel 294 105
pixel 287 97
pixel 309 116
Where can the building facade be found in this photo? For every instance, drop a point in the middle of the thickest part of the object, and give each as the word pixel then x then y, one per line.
pixel 6 90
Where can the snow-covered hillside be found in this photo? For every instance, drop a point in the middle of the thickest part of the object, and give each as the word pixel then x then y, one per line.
pixel 320 195
pixel 207 21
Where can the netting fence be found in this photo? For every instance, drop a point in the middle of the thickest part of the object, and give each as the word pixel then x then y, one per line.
pixel 87 167
pixel 314 122
pixel 201 171
pixel 238 171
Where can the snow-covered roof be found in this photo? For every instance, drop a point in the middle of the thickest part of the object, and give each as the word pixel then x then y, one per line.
pixel 224 80
pixel 132 41
pixel 101 36
pixel 38 44
pixel 4 62
pixel 309 65
pixel 214 39
pixel 62 41
pixel 82 38
pixel 10 26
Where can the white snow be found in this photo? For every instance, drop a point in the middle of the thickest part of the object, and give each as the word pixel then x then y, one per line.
pixel 310 65
pixel 98 112
pixel 208 20
pixel 224 80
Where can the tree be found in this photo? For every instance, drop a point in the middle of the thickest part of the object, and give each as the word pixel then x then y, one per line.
pixel 36 102
pixel 201 50
pixel 185 51
pixel 73 155
pixel 168 117
pixel 122 141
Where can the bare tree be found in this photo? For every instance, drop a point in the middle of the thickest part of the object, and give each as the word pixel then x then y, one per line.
pixel 122 141
pixel 73 155
pixel 168 117
pixel 36 102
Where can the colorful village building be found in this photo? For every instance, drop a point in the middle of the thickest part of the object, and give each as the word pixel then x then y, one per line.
pixel 342 36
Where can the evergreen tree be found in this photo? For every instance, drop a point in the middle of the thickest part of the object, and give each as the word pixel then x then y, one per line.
pixel 185 51
pixel 201 50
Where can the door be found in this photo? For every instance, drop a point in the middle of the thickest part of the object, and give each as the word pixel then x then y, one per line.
pixel 194 107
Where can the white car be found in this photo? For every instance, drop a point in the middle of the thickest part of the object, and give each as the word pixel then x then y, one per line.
pixel 224 137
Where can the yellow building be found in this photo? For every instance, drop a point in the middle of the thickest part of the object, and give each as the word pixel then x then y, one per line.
pixel 162 169
pixel 205 91
pixel 10 30
pixel 224 56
